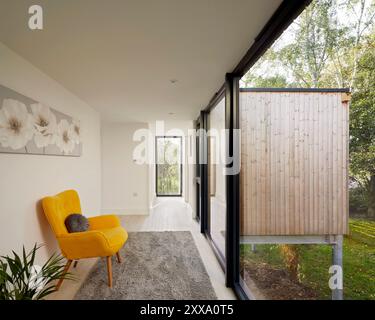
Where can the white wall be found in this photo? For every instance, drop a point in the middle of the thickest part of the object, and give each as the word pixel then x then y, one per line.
pixel 125 183
pixel 129 188
pixel 25 179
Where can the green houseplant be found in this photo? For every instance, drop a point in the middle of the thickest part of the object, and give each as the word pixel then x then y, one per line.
pixel 20 279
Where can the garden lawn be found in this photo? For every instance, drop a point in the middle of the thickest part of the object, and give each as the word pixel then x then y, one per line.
pixel 315 260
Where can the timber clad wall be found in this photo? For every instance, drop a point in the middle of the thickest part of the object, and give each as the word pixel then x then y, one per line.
pixel 294 163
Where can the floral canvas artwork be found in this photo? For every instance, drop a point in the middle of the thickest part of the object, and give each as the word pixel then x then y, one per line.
pixel 30 127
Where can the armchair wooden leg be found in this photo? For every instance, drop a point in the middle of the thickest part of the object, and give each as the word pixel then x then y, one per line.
pixel 75 264
pixel 109 270
pixel 118 257
pixel 67 266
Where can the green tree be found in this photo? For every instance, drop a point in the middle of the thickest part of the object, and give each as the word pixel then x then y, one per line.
pixel 321 48
pixel 277 81
pixel 315 35
pixel 362 125
pixel 348 48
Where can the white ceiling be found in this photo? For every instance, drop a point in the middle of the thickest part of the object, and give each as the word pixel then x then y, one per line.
pixel 120 55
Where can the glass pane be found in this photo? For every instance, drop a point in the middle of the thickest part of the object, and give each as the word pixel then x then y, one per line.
pixel 168 166
pixel 217 188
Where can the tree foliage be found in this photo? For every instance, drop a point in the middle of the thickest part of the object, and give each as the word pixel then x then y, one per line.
pixel 362 126
pixel 362 122
pixel 307 57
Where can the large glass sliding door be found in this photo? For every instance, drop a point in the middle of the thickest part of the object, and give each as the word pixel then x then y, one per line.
pixel 223 184
pixel 216 178
pixel 198 173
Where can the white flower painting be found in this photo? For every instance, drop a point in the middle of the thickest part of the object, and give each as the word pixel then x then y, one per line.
pixel 27 126
pixel 64 138
pixel 45 125
pixel 76 131
pixel 16 125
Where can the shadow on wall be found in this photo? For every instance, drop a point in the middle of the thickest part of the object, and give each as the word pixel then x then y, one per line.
pixel 47 238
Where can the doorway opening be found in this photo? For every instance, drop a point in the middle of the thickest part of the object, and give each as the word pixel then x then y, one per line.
pixel 168 152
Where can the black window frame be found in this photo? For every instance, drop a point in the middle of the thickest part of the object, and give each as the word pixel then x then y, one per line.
pixel 156 167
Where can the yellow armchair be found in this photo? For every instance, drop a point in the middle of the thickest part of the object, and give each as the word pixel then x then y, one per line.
pixel 104 238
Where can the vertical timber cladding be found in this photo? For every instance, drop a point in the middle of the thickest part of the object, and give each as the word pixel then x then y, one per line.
pixel 294 162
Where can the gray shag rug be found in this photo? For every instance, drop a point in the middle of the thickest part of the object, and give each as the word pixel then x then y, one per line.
pixel 155 266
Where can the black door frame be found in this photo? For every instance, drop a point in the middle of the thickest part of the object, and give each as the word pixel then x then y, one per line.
pixel 232 180
pixel 156 167
pixel 203 170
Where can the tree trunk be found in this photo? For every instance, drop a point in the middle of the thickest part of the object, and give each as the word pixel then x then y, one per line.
pixel 371 198
pixel 291 259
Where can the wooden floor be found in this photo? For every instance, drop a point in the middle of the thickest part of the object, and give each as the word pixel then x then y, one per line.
pixel 167 215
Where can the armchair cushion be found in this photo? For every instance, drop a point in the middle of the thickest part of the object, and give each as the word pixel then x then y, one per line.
pixel 76 223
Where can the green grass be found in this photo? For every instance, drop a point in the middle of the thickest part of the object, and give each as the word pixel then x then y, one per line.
pixel 315 260
pixel 363 231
